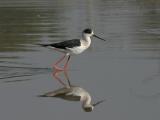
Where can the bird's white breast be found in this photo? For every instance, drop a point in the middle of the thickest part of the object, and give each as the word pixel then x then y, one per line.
pixel 79 49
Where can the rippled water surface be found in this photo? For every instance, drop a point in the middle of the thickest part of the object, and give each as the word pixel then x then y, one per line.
pixel 124 70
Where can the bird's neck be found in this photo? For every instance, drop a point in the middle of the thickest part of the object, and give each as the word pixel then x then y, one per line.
pixel 86 38
pixel 86 100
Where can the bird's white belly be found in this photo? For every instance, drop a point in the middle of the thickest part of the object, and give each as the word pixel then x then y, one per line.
pixel 77 50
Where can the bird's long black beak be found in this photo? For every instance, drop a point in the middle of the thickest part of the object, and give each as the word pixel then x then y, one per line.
pixel 97 103
pixel 98 37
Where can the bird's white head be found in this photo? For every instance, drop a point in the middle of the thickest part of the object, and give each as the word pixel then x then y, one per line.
pixel 89 32
pixel 88 108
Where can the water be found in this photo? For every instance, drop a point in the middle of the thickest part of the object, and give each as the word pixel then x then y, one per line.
pixel 124 71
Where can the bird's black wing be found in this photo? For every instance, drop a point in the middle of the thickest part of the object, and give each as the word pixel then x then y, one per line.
pixel 66 44
pixel 57 93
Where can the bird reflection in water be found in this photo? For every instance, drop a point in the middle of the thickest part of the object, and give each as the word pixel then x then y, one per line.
pixel 72 93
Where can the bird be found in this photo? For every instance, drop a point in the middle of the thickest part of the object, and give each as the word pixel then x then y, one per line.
pixel 74 93
pixel 72 47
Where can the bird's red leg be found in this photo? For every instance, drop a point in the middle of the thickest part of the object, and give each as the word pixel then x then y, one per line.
pixel 55 65
pixel 55 75
pixel 66 64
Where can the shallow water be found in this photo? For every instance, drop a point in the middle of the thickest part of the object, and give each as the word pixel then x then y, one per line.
pixel 124 70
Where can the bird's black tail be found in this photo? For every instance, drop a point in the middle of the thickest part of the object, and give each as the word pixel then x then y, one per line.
pixel 42 96
pixel 43 45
